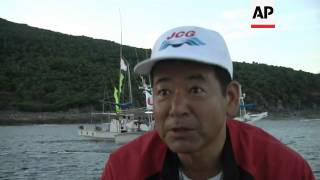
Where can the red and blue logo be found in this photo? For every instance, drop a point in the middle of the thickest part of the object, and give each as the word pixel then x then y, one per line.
pixel 177 39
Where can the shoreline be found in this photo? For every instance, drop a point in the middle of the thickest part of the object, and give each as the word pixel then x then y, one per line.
pixel 26 118
pixel 294 115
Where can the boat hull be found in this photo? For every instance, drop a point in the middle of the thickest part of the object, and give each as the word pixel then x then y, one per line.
pixel 90 133
pixel 123 138
pixel 251 118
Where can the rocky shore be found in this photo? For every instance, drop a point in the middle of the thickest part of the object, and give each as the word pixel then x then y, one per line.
pixel 21 118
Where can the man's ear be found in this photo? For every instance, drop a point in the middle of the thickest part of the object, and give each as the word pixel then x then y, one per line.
pixel 233 95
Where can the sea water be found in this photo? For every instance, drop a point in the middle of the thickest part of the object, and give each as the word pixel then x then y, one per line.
pixel 57 152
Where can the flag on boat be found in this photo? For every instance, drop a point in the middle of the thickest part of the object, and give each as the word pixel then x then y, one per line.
pixel 123 65
pixel 116 99
pixel 118 91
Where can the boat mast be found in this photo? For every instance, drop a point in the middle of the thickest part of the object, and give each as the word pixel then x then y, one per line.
pixel 127 63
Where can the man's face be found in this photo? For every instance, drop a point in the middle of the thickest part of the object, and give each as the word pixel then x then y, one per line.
pixel 189 107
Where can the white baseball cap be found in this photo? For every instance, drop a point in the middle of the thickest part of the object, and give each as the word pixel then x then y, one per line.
pixel 189 43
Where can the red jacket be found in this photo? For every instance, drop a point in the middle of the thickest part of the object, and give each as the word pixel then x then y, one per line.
pixel 248 153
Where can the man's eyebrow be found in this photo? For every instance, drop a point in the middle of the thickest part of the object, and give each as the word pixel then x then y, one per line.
pixel 197 77
pixel 162 80
pixel 193 77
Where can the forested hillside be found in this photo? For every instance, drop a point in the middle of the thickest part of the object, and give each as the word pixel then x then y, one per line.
pixel 41 70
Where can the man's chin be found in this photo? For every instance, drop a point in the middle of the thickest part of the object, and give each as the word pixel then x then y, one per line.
pixel 182 147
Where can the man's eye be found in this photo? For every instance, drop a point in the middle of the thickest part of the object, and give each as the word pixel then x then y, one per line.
pixel 196 90
pixel 163 92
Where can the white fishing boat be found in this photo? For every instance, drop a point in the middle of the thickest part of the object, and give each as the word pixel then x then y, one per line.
pixel 136 128
pixel 124 124
pixel 248 117
pixel 120 127
pixel 105 130
pixel 111 123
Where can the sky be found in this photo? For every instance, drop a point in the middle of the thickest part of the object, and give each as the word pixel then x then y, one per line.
pixel 294 43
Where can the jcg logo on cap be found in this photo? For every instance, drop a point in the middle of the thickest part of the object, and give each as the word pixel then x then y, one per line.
pixel 181 34
pixel 263 14
pixel 177 39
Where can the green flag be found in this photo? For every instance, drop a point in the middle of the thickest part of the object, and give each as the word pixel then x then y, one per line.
pixel 116 99
pixel 120 83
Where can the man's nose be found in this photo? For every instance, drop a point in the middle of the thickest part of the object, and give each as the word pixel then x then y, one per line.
pixel 179 104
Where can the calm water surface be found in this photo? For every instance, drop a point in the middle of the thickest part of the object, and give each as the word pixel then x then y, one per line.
pixel 57 152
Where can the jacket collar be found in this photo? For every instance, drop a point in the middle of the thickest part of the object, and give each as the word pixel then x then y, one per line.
pixel 170 168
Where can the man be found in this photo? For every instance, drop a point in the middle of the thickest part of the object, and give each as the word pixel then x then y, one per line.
pixel 194 137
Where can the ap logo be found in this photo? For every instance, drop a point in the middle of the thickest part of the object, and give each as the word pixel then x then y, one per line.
pixel 263 14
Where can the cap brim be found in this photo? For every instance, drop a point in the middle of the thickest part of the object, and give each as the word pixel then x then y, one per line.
pixel 144 67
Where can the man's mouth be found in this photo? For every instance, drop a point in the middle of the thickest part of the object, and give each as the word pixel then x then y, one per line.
pixel 181 129
pixel 180 132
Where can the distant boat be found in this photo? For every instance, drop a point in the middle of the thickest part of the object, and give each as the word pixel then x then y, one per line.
pixel 130 121
pixel 244 115
pixel 250 118
pixel 125 123
pixel 136 128
pixel 106 130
